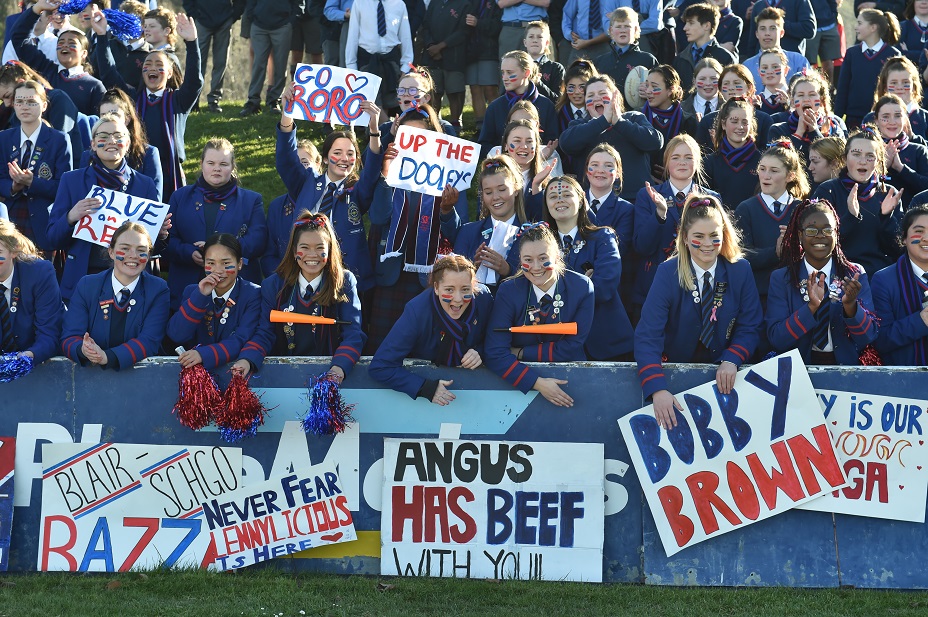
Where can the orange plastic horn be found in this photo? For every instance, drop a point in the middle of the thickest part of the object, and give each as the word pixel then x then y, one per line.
pixel 291 317
pixel 569 327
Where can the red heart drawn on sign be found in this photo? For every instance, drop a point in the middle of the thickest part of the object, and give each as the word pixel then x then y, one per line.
pixel 901 486
pixel 835 422
pixel 921 442
pixel 918 467
pixel 334 537
pixel 354 82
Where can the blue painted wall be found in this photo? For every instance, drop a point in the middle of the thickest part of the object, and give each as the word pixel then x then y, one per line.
pixel 60 401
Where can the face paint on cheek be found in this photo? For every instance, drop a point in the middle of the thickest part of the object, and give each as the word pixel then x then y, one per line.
pixel 716 242
pixel 299 254
pixel 511 147
pixel 2 259
pixel 230 268
pixel 468 297
pixel 914 240
pixel 526 268
pixel 323 256
pixel 549 266
pixel 447 298
pixel 143 258
pixel 696 244
pixel 119 255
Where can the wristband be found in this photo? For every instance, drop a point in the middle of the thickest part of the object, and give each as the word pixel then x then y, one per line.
pixel 373 134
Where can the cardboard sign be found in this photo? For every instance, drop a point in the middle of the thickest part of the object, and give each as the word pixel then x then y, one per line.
pixel 7 459
pixel 492 509
pixel 111 507
pixel 734 459
pixel 279 517
pixel 429 161
pixel 331 94
pixel 881 443
pixel 117 208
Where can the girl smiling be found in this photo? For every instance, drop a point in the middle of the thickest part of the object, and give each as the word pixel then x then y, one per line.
pixel 732 168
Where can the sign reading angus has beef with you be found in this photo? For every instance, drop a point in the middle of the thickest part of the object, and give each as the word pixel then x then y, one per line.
pixel 488 509
pixel 734 459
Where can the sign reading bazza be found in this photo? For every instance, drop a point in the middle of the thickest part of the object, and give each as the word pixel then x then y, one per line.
pixel 734 459
pixel 429 161
pixel 490 509
pixel 7 458
pixel 279 517
pixel 111 507
pixel 331 94
pixel 881 443
pixel 117 208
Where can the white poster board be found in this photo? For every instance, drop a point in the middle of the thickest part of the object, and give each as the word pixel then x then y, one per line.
pixel 428 161
pixel 116 209
pixel 331 94
pixel 492 509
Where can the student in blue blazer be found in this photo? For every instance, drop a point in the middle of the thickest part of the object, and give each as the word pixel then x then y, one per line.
pixel 30 297
pixel 901 77
pixel 343 192
pixel 869 210
pixel 630 133
pixel 542 292
pixel 445 324
pixel 732 169
pixel 820 303
pixel 219 314
pixel 906 161
pixel 68 71
pixel 603 171
pixel 900 296
pixel 594 252
pixel 658 210
pixel 520 78
pixel 165 97
pixel 37 157
pixel 703 307
pixel 735 80
pixel 502 202
pixel 109 169
pixel 142 156
pixel 214 204
pixel 118 317
pixel 311 280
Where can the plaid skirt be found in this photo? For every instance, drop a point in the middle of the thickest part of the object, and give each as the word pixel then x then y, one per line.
pixel 389 303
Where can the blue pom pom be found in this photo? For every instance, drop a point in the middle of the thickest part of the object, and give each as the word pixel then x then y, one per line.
pixel 328 413
pixel 233 435
pixel 123 26
pixel 72 7
pixel 13 366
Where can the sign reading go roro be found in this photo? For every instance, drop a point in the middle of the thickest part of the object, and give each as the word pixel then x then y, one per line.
pixel 331 94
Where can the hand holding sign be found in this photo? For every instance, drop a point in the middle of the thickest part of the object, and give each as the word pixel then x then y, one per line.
pixel 330 94
pixel 427 162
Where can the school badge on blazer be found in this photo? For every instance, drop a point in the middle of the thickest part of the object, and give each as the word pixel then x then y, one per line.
pixel 354 214
pixel 44 172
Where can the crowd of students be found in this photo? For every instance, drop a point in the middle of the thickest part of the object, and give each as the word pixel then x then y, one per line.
pixel 693 209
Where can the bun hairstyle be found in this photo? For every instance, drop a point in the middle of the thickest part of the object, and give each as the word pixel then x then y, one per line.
pixel 696 208
pixel 228 241
pixel 333 284
pixel 887 24
pixel 502 165
pixel 422 75
pixel 671 81
pixel 422 112
pixel 791 250
pixel 451 263
pixel 789 157
pixel 581 69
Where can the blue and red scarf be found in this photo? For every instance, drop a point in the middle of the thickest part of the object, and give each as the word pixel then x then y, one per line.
pixel 173 174
pixel 423 211
pixel 826 126
pixel 454 333
pixel 667 121
pixel 902 138
pixel 219 194
pixel 864 190
pixel 530 94
pixel 913 293
pixel 737 158
pixel 114 179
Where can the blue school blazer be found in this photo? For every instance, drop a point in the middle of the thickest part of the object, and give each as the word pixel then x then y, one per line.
pixel 306 189
pixel 351 338
pixel 39 311
pixel 151 166
pixel 279 222
pixel 189 325
pixel 243 217
pixel 671 322
pixel 790 322
pixel 511 308
pixel 146 320
pixel 417 334
pixel 654 240
pixel 899 330
pixel 471 235
pixel 51 158
pixel 619 214
pixel 74 186
pixel 614 335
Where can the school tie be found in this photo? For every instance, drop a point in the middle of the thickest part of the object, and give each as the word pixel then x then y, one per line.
pixel 568 242
pixel 680 197
pixel 124 294
pixel 328 200
pixel 308 293
pixel 218 304
pixel 64 74
pixel 595 16
pixel 697 54
pixel 777 208
pixel 925 276
pixel 545 305
pixel 595 206
pixel 6 321
pixel 578 114
pixel 822 323
pixel 152 97
pixel 870 52
pixel 27 152
pixel 773 100
pixel 381 19
pixel 708 108
pixel 705 336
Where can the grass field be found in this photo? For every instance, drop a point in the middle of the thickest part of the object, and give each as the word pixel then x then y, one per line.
pixel 269 593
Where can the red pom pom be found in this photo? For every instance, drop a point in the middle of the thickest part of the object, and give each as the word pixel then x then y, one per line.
pixel 198 398
pixel 242 413
pixel 870 357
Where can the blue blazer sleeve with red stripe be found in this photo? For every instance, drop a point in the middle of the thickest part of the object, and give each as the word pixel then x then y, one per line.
pixel 790 321
pixel 187 326
pixel 899 329
pixel 39 312
pixel 510 309
pixel 145 323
